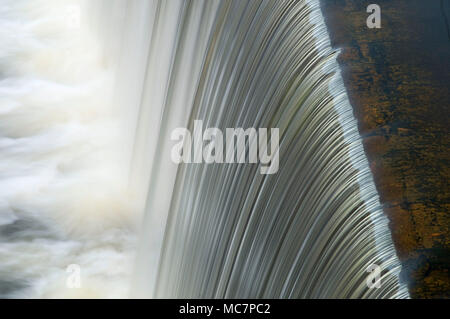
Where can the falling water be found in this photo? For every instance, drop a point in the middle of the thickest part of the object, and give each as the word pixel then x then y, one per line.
pixel 86 114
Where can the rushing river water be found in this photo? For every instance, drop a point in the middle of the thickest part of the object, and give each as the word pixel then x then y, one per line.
pixel 90 92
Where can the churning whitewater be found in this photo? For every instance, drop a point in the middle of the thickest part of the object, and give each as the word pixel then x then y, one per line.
pixel 63 197
pixel 90 92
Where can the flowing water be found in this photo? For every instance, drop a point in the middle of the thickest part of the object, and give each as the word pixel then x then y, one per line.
pixel 90 92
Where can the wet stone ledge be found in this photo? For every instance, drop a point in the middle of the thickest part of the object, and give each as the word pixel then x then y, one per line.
pixel 398 82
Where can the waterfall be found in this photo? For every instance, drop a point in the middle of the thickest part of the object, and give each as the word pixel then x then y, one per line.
pixel 86 122
pixel 222 230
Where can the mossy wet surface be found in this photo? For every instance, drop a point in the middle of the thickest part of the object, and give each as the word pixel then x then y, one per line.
pixel 398 82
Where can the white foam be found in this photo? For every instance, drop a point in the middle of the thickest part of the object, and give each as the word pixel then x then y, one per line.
pixel 63 187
